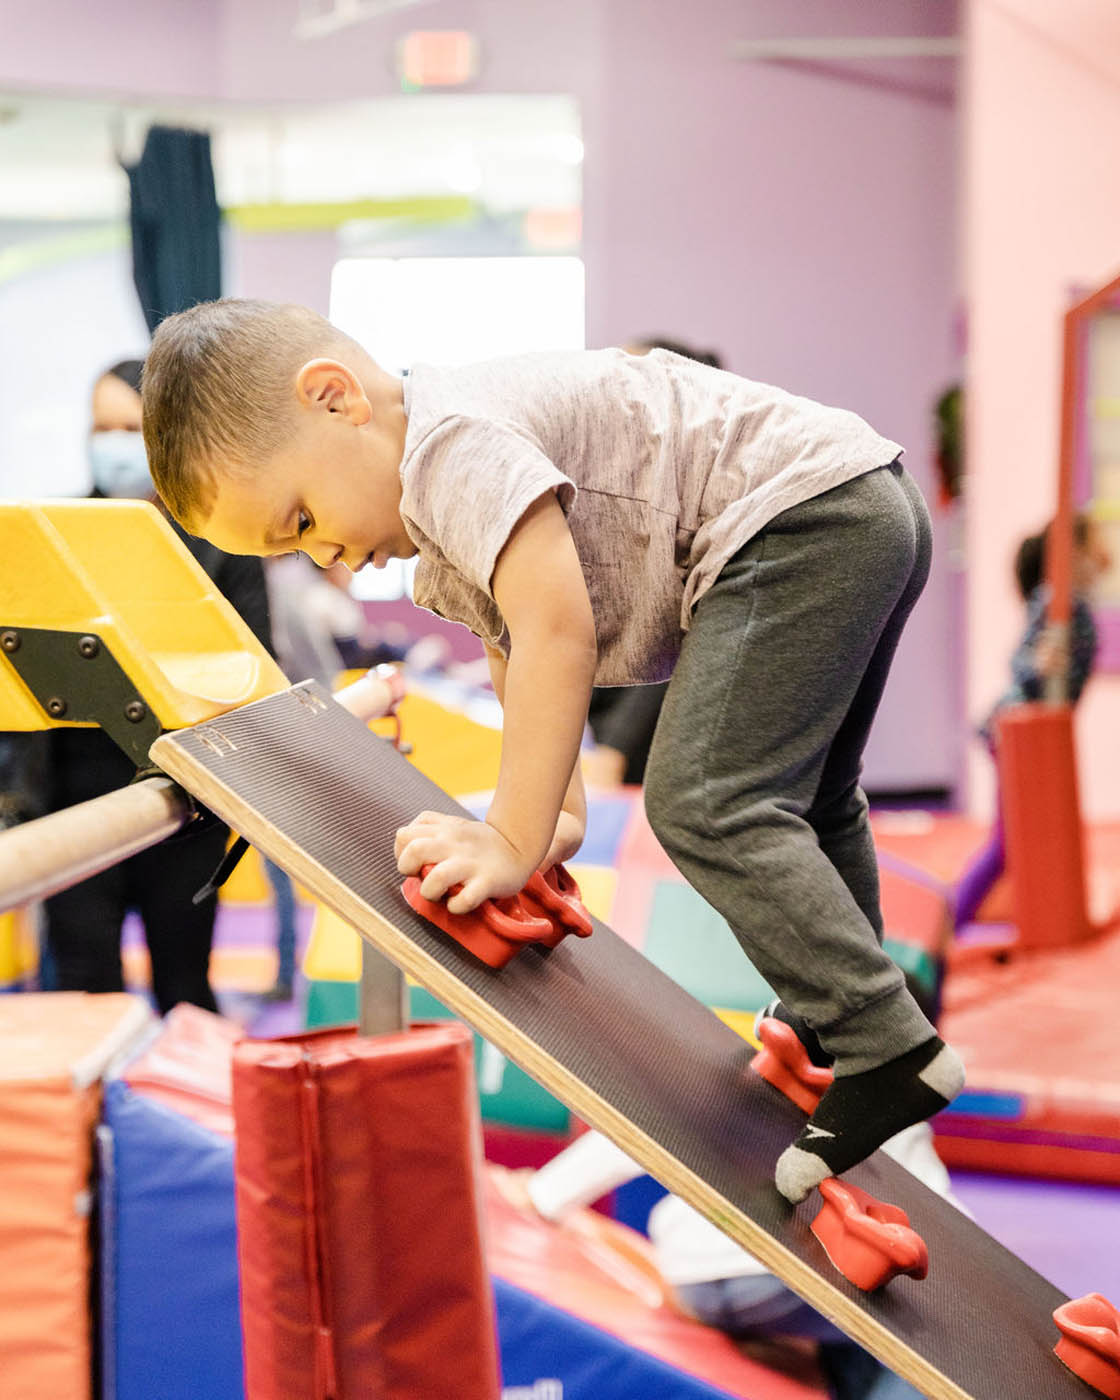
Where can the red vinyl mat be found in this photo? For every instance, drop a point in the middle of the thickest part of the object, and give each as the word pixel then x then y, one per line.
pixel 1036 1029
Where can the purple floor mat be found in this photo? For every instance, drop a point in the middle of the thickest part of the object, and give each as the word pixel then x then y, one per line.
pixel 1068 1231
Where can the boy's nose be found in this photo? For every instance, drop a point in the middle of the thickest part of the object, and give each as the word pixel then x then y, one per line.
pixel 323 554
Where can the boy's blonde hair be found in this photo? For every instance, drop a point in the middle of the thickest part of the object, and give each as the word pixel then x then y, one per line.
pixel 217 392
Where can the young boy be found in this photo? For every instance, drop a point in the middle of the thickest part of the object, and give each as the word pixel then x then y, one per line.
pixel 596 516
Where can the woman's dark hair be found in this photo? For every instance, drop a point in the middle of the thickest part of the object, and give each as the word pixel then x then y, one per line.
pixel 678 347
pixel 130 371
pixel 1030 557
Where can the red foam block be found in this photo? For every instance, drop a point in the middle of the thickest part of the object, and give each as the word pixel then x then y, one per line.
pixel 869 1241
pixel 1090 1342
pixel 784 1062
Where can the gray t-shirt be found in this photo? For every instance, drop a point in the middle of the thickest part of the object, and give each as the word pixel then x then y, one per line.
pixel 664 468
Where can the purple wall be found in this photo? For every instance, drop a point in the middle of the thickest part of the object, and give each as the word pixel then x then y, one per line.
pixel 111 47
pixel 800 219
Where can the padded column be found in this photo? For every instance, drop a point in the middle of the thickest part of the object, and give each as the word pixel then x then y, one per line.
pixel 359 1218
pixel 1042 824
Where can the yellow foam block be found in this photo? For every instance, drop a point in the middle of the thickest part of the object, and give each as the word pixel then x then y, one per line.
pixel 231 969
pixel 597 884
pixel 248 883
pixel 18 952
pixel 741 1022
pixel 334 950
pixel 458 753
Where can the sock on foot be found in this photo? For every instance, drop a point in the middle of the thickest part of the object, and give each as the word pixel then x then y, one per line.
pixel 861 1111
pixel 777 1009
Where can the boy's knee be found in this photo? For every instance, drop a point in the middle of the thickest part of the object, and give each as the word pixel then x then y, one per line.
pixel 662 811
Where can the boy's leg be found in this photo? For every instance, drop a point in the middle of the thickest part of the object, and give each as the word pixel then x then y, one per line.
pixel 838 813
pixel 768 672
pixel 778 650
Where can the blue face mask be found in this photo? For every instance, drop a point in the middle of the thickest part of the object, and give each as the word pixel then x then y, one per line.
pixel 119 464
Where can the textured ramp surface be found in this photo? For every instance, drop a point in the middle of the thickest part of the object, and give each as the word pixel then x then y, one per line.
pixel 625 1047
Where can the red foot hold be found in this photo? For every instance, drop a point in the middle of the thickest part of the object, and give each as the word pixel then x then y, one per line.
pixel 784 1062
pixel 545 911
pixel 869 1241
pixel 1090 1342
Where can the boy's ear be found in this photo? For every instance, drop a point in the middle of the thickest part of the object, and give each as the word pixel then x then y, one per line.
pixel 329 385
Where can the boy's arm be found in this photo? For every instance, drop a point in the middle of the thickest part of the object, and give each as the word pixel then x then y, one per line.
pixel 545 689
pixel 571 824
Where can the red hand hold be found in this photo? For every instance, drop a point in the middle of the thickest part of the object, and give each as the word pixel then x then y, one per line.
pixel 495 932
pixel 1090 1342
pixel 555 896
pixel 544 912
pixel 869 1241
pixel 784 1062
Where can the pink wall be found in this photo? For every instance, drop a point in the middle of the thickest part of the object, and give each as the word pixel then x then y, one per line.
pixel 1042 211
pixel 802 221
pixel 118 47
pixel 281 266
pixel 798 218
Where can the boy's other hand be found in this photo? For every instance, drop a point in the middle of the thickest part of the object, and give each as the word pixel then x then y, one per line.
pixel 462 852
pixel 566 841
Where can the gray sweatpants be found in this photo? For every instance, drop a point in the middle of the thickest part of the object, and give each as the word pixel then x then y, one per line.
pixel 753 778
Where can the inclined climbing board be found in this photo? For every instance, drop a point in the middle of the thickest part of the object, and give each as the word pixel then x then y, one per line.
pixel 625 1047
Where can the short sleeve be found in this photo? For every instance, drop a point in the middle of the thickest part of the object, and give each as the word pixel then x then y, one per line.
pixel 467 484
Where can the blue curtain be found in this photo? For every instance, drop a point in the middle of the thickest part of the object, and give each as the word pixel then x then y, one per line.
pixel 176 257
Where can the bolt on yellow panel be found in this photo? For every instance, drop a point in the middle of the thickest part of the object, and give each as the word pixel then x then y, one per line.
pixel 118 569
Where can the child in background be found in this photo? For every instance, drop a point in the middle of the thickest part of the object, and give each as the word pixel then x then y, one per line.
pixel 710 1277
pixel 84 922
pixel 1038 657
pixel 601 517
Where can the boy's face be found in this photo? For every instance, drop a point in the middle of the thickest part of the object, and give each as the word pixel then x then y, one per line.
pixel 333 493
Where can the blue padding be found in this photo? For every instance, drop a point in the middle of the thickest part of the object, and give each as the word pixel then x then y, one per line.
pixel 607 819
pixel 634 1200
pixel 170 1288
pixel 542 1344
pixel 176 1319
pixel 977 1103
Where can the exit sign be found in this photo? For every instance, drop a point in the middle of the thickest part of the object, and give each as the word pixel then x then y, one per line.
pixel 436 58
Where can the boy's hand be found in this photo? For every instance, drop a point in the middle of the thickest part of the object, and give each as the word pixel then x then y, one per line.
pixel 463 852
pixel 566 841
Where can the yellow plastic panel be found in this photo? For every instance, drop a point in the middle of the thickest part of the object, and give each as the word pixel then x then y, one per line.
pixel 117 568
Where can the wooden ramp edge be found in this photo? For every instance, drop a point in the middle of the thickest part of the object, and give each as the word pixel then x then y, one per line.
pixel 624 1047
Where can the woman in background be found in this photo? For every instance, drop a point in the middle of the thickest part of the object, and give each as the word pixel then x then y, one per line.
pixel 83 924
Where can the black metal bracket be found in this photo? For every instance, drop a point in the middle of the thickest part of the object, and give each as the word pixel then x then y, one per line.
pixel 76 678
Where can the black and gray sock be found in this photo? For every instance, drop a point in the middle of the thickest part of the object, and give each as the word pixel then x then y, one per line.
pixel 859 1112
